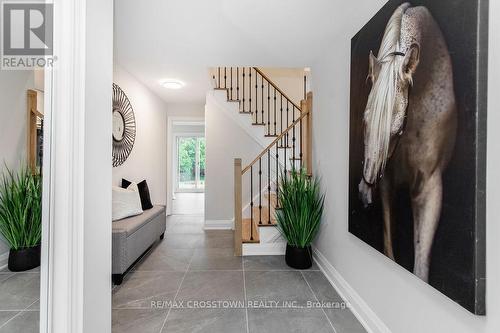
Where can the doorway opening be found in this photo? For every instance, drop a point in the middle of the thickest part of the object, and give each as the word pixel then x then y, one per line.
pixel 188 148
pixel 190 164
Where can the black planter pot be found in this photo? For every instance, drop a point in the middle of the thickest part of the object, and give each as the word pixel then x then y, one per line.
pixel 298 258
pixel 24 259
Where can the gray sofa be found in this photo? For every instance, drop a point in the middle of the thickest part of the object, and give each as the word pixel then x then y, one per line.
pixel 133 236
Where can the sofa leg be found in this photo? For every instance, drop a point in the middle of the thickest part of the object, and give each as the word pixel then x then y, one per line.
pixel 162 236
pixel 118 279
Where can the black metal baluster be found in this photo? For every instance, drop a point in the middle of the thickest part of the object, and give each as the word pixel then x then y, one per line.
pixel 244 108
pixel 231 88
pixel 277 172
pixel 269 186
pixel 268 109
pixel 251 203
pixel 256 99
pixel 225 77
pixel 284 160
pixel 250 90
pixel 287 121
pixel 260 190
pixel 301 138
pixel 274 111
pixel 293 133
pixel 305 87
pixel 281 117
pixel 262 99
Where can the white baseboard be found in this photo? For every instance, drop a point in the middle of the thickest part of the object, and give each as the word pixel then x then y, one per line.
pixel 4 259
pixel 363 312
pixel 219 225
pixel 264 249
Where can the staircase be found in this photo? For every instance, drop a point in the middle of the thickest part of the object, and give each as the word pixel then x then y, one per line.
pixel 289 126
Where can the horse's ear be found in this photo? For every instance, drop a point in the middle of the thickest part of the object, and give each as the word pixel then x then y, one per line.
pixel 372 67
pixel 410 63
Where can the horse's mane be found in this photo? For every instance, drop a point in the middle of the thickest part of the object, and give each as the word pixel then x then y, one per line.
pixel 380 105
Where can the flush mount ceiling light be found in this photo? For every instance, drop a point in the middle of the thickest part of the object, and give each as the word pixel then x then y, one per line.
pixel 172 84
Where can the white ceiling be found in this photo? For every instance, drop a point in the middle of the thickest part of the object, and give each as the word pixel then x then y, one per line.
pixel 181 39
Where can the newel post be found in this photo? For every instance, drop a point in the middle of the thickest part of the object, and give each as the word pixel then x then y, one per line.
pixel 306 106
pixel 237 208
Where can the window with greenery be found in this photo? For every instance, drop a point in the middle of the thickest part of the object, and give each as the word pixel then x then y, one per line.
pixel 191 159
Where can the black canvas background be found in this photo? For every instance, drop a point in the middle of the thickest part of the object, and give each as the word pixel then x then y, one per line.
pixel 453 267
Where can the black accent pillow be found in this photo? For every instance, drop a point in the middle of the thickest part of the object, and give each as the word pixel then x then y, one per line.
pixel 143 193
pixel 125 183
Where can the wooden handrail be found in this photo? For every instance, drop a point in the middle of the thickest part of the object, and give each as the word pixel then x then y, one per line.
pixel 278 89
pixel 303 115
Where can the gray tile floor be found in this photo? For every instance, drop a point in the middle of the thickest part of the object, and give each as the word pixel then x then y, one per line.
pixel 19 301
pixel 185 283
pixel 188 203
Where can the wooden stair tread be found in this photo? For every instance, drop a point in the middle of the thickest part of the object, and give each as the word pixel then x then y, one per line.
pixel 246 225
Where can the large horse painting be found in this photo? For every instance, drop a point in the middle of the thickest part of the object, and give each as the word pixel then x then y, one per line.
pixel 417 142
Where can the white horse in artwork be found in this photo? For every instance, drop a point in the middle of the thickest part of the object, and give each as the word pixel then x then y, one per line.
pixel 410 125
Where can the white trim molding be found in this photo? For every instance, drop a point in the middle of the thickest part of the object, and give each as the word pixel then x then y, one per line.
pixel 62 311
pixel 219 224
pixel 76 249
pixel 366 316
pixel 264 249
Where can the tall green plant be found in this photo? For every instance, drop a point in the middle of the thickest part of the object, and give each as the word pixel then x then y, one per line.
pixel 21 208
pixel 301 206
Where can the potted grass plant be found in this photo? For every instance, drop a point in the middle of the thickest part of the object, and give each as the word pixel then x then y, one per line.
pixel 299 216
pixel 21 217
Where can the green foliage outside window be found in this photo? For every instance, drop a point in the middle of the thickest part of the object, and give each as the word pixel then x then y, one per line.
pixel 187 158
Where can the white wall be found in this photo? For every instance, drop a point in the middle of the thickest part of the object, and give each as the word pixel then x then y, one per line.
pixel 226 140
pixel 186 110
pixel 13 123
pixel 188 129
pixel 289 80
pixel 399 299
pixel 148 159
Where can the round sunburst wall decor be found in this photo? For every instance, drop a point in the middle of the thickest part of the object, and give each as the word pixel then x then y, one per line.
pixel 123 126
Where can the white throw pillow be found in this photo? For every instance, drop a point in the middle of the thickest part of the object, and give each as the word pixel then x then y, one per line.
pixel 126 202
pixel 133 187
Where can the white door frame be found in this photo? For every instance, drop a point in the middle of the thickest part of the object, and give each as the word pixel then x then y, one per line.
pixel 76 251
pixel 171 168
pixel 175 143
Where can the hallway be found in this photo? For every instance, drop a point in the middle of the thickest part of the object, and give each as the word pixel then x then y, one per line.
pixel 196 269
pixel 188 203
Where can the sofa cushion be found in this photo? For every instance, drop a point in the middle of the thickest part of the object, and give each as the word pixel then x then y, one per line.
pixel 134 223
